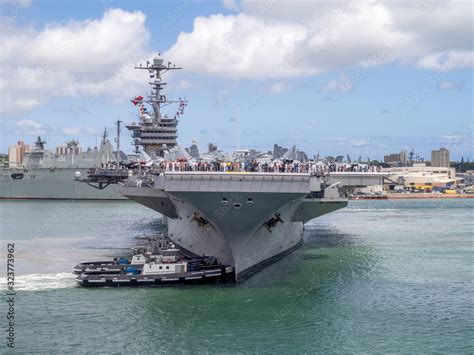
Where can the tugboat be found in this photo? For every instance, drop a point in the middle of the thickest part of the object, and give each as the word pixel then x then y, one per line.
pixel 159 264
pixel 147 247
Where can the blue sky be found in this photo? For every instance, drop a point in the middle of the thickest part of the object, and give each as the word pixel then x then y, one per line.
pixel 358 78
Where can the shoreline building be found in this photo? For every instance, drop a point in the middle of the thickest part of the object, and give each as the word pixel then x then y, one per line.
pixel 396 159
pixel 193 150
pixel 440 158
pixel 70 148
pixel 16 153
pixel 420 176
pixel 278 151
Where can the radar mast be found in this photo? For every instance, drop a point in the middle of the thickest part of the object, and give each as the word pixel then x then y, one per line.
pixel 156 132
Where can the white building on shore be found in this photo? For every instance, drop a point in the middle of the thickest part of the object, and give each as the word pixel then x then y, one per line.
pixel 422 176
pixel 16 153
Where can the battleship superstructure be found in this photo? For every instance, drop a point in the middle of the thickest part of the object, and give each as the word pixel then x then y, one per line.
pixel 50 175
pixel 245 219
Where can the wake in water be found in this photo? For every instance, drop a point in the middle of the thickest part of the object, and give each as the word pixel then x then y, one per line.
pixel 40 282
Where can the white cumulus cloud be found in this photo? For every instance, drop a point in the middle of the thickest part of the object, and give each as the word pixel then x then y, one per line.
pixel 87 58
pixel 343 85
pixel 271 39
pixel 29 128
pixel 448 60
pixel 230 4
pixel 238 46
pixel 286 39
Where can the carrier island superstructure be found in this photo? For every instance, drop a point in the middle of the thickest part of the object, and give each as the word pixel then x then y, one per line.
pixel 245 219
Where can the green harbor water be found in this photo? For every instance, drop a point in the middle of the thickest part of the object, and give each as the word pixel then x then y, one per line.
pixel 376 277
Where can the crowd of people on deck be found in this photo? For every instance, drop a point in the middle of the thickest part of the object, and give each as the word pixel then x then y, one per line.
pixel 314 168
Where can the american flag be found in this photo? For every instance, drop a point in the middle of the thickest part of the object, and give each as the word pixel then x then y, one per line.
pixel 137 100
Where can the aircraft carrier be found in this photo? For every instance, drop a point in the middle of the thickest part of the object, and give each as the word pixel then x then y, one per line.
pixel 245 219
pixel 51 175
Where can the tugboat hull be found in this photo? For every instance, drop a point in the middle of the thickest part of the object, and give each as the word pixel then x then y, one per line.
pixel 221 274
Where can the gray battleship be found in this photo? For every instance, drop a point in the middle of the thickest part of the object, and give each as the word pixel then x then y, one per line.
pixel 48 175
pixel 245 219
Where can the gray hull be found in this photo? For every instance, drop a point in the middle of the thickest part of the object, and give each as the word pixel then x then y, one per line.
pixel 236 208
pixel 56 183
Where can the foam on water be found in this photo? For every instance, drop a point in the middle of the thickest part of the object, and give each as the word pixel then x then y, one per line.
pixel 40 282
pixel 365 209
